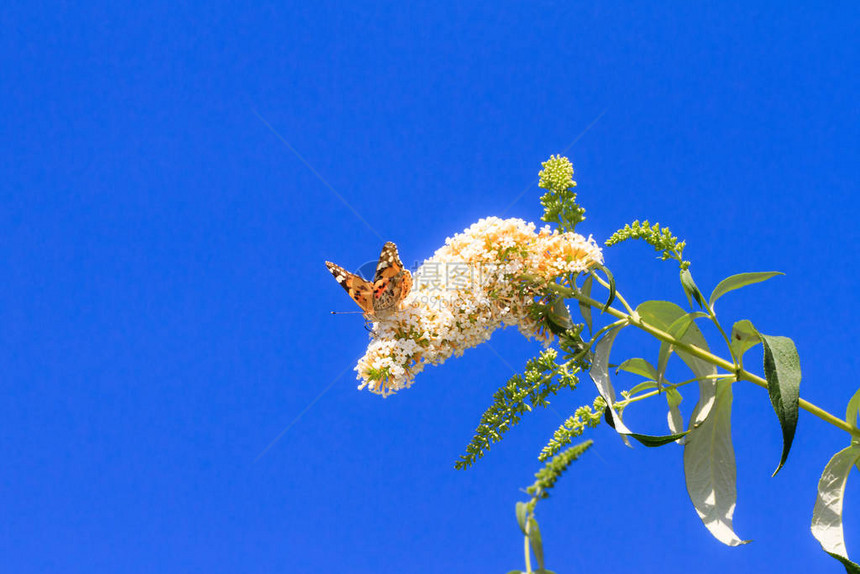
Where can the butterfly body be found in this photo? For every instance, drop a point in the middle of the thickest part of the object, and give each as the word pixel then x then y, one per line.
pixel 381 297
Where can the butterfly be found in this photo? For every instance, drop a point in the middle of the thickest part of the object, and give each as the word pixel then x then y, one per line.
pixel 380 298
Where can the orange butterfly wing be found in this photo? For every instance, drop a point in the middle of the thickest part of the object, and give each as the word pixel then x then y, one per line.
pixel 391 284
pixel 359 290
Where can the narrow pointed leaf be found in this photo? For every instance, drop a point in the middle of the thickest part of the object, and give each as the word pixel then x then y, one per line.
pixel 522 511
pixel 850 567
pixel 702 370
pixel 611 280
pixel 738 281
pixel 827 513
pixel 678 329
pixel 663 356
pixel 690 288
pixel 583 307
pixel 675 321
pixel 644 386
pixel 680 325
pixel 600 375
pixel 645 439
pixel 676 423
pixel 744 337
pixel 853 410
pixel 782 371
pixel 709 469
pixel 535 541
pixel 607 417
pixel 655 441
pixel 660 314
pixel 674 418
pixel 663 314
pixel 638 366
pixel 673 397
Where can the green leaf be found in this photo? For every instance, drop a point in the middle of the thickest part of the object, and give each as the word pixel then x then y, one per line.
pixel 599 373
pixel 607 416
pixel 853 410
pixel 702 370
pixel 516 572
pixel 685 330
pixel 660 314
pixel 673 397
pixel 709 468
pixel 668 317
pixel 643 387
pixel 535 541
pixel 663 356
pixel 738 281
pixel 600 370
pixel 782 371
pixel 850 567
pixel 638 366
pixel 655 441
pixel 522 513
pixel 678 329
pixel 744 337
pixel 690 288
pixel 674 418
pixel 611 280
pixel 663 314
pixel 584 308
pixel 827 513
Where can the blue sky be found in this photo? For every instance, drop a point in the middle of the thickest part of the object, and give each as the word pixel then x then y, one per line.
pixel 170 180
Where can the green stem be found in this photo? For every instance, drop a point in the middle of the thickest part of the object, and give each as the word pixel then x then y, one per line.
pixel 725 337
pixel 598 334
pixel 617 294
pixel 526 550
pixel 649 394
pixel 740 374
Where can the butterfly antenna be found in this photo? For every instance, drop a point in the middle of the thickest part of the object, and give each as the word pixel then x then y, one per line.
pixel 345 312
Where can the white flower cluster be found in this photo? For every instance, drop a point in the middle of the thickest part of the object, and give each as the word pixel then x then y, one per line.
pixel 468 289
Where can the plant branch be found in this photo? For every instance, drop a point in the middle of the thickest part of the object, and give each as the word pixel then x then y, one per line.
pixel 740 373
